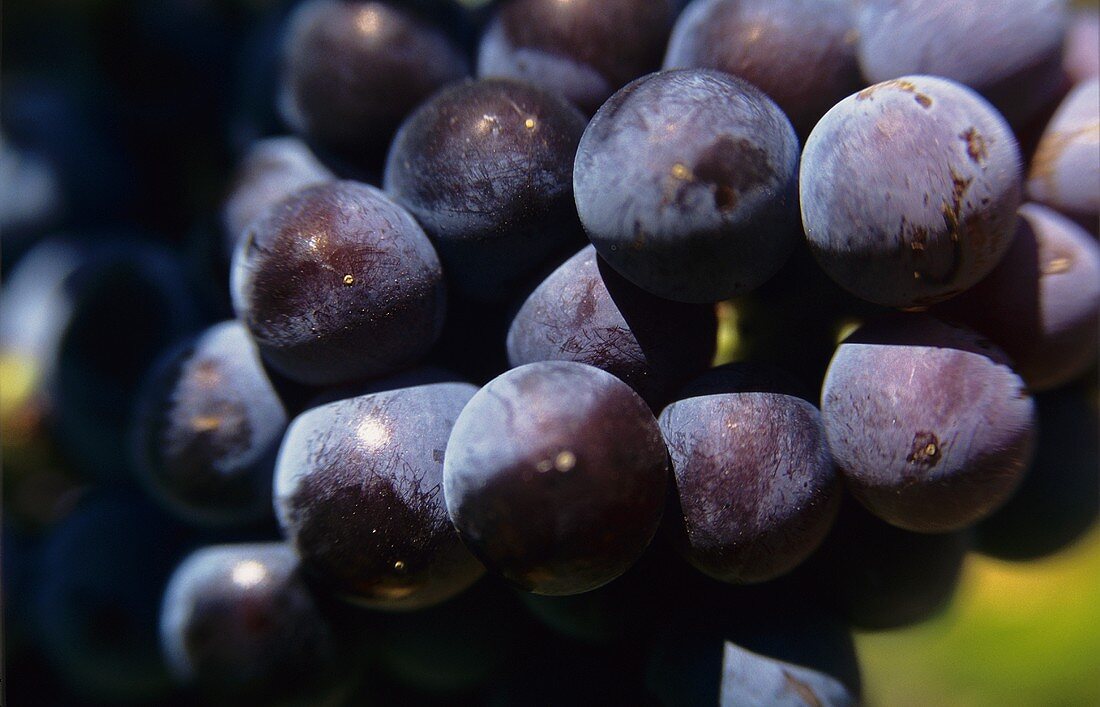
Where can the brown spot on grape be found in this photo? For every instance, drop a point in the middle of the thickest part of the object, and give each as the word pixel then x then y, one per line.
pixel 975 145
pixel 732 165
pixel 926 449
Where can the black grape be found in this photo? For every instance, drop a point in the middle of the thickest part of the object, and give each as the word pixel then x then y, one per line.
pixel 241 626
pixel 1065 171
pixel 555 476
pixel 358 490
pixel 1042 302
pixel 685 182
pixel 486 168
pixel 755 482
pixel 354 69
pixel 583 49
pixel 586 312
pixel 208 427
pixel 919 216
pixel 270 171
pixel 801 53
pixel 931 427
pixel 1009 51
pixel 337 283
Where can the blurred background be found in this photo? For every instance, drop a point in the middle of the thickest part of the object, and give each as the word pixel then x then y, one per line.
pixel 121 122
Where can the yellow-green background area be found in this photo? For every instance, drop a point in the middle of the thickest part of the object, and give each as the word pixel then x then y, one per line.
pixel 1025 633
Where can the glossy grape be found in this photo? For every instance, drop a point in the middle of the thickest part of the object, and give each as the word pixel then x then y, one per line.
pixel 358 490
pixel 920 216
pixel 486 168
pixel 583 49
pixel 1042 303
pixel 270 171
pixel 354 69
pixel 555 476
pixel 1010 52
pixel 754 477
pixel 337 283
pixel 208 428
pixel 685 182
pixel 1065 171
pixel 586 312
pixel 240 624
pixel 931 427
pixel 801 53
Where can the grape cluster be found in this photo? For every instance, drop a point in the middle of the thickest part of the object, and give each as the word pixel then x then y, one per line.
pixel 541 351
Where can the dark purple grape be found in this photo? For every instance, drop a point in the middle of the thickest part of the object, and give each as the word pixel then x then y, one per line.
pixel 1065 171
pixel 583 49
pixel 586 312
pixel 100 577
pixel 685 182
pixel 353 70
pixel 1081 57
pixel 1010 52
pixel 1059 499
pixel 909 191
pixel 880 577
pixel 338 283
pixel 1042 303
pixel 486 167
pixel 272 170
pixel 931 427
pixel 359 493
pixel 555 476
pixel 208 427
pixel 801 53
pixel 240 625
pixel 754 477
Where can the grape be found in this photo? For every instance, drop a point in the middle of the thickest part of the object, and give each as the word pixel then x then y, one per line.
pixel 486 168
pixel 358 490
pixel 208 427
pixel 800 52
pixel 272 170
pixel 584 49
pixel 881 577
pixel 930 426
pixel 1042 303
pixel 337 283
pixel 354 70
pixel 239 623
pixel 555 476
pixel 755 479
pixel 1010 52
pixel 1065 172
pixel 920 216
pixel 1059 499
pixel 1081 57
pixel 685 183
pixel 96 595
pixel 586 312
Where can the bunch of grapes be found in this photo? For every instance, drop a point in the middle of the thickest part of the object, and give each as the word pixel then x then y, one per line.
pixel 541 351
